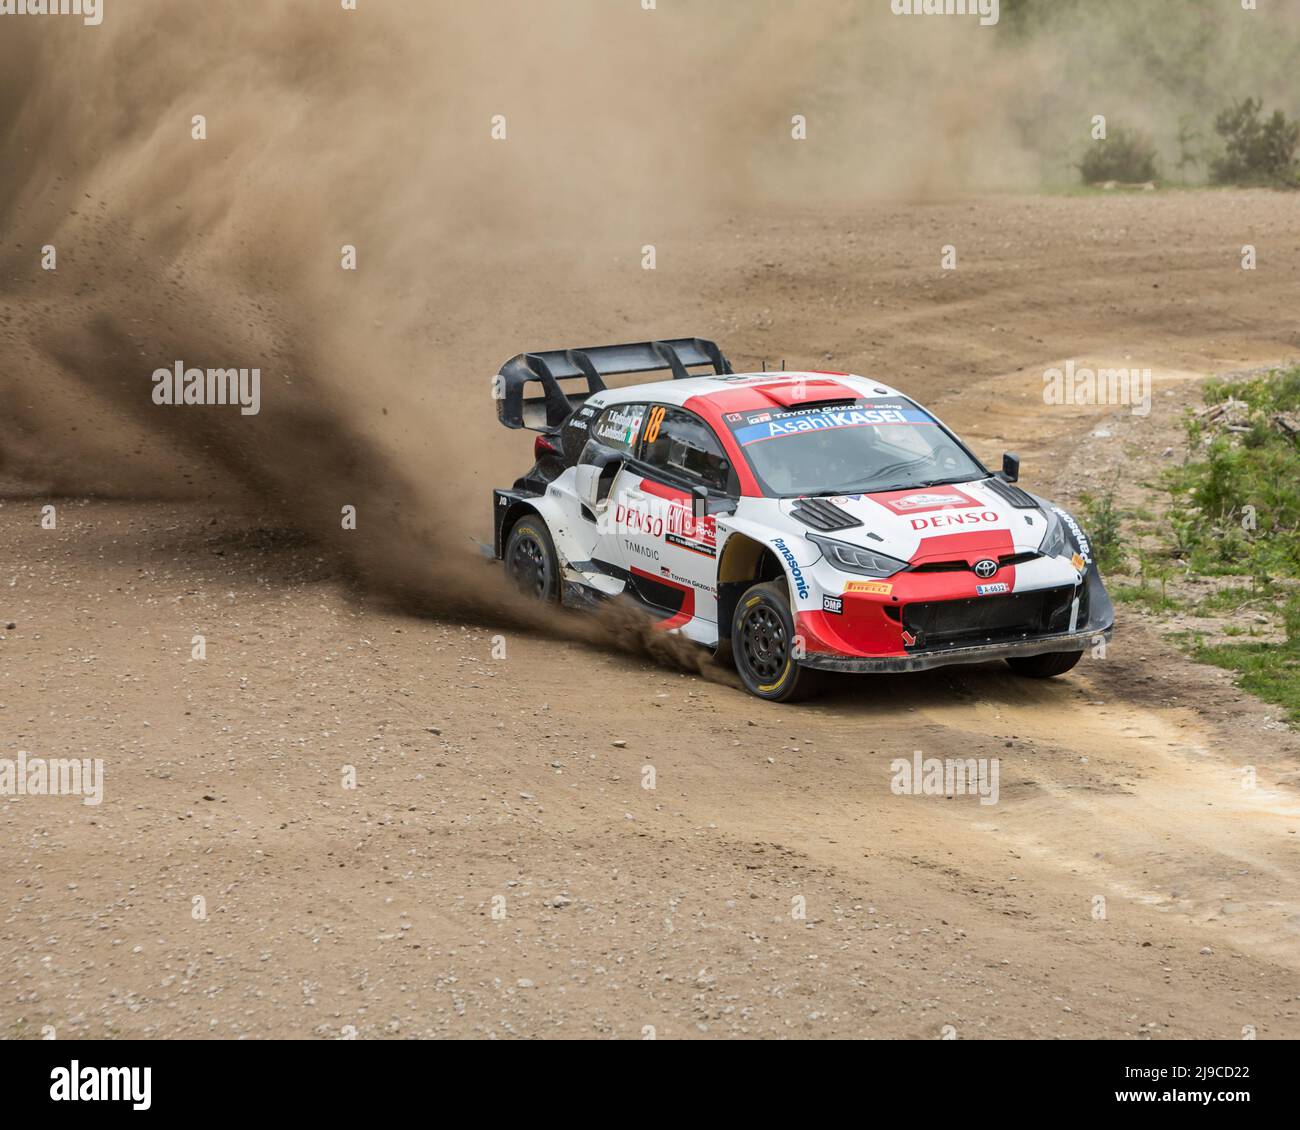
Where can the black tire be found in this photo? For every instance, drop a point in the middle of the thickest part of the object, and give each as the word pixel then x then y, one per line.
pixel 531 561
pixel 1044 666
pixel 762 644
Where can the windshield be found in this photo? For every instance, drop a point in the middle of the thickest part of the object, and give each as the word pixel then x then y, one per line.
pixel 851 447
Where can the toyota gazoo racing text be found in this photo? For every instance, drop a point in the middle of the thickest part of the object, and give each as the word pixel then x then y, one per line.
pixel 795 522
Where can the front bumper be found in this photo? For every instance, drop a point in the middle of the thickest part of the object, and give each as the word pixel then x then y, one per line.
pixel 976 653
pixel 1093 618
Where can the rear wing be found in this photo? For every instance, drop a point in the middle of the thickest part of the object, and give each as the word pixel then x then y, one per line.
pixel 552 408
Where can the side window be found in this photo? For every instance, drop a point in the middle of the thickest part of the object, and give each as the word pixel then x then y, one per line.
pixel 685 447
pixel 576 432
pixel 619 426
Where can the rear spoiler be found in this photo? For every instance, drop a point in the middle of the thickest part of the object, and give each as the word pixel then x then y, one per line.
pixel 552 408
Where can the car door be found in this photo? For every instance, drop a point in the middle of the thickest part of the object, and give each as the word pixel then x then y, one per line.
pixel 618 429
pixel 669 549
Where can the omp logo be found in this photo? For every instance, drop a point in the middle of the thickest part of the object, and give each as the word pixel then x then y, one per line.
pixel 966 518
pixel 102 1084
pixel 90 11
pixel 796 574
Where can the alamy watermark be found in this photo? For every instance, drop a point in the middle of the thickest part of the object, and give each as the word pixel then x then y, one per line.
pixel 90 11
pixel 950 776
pixel 1078 384
pixel 59 776
pixel 987 10
pixel 179 385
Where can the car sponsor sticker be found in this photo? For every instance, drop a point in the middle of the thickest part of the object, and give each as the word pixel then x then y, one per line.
pixel 620 426
pixel 833 605
pixel 755 427
pixel 796 574
pixel 700 535
pixel 877 588
pixel 1080 539
pixel 962 518
pixel 928 501
pixel 1079 563
pixel 991 590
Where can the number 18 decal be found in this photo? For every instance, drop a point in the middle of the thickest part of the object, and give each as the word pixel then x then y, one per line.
pixel 652 425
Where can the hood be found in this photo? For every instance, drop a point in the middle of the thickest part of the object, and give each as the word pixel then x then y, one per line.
pixel 948 523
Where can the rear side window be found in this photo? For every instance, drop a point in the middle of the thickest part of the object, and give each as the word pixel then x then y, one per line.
pixel 619 426
pixel 576 432
pixel 685 447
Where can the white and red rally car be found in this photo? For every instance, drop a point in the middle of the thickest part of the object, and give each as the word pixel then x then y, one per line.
pixel 796 522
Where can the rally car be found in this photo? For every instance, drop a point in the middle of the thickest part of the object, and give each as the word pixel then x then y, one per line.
pixel 794 522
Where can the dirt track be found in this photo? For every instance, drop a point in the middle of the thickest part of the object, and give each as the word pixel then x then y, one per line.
pixel 333 911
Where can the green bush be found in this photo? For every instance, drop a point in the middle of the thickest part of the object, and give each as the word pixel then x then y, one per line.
pixel 1257 469
pixel 1127 156
pixel 1102 522
pixel 1291 618
pixel 1258 152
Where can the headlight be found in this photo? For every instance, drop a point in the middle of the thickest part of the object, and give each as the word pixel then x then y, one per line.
pixel 1054 544
pixel 853 559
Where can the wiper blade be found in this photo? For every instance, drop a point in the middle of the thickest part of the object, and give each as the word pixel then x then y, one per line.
pixel 946 482
pixel 869 489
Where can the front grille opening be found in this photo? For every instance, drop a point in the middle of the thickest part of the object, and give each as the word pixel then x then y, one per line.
pixel 990 619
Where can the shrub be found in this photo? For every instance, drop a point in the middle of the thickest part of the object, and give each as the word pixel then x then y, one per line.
pixel 1258 152
pixel 1126 155
pixel 1102 522
pixel 1291 618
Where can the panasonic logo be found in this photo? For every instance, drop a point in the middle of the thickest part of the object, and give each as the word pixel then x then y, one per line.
pixel 796 574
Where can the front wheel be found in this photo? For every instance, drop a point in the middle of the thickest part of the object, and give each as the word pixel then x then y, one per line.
pixel 1044 666
pixel 763 646
pixel 531 561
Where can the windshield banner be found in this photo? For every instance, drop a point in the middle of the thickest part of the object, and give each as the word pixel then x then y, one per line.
pixel 751 427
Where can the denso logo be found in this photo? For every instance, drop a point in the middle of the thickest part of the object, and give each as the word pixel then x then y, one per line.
pixel 795 572
pixel 629 517
pixel 966 518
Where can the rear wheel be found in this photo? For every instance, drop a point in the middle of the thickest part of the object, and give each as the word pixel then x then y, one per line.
pixel 1044 666
pixel 763 646
pixel 531 561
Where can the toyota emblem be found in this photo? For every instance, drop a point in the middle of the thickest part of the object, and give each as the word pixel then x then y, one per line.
pixel 986 568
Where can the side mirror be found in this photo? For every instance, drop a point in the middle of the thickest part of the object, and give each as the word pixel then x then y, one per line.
pixel 1010 468
pixel 699 502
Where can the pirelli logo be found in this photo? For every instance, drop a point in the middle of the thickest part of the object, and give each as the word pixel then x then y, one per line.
pixel 876 588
